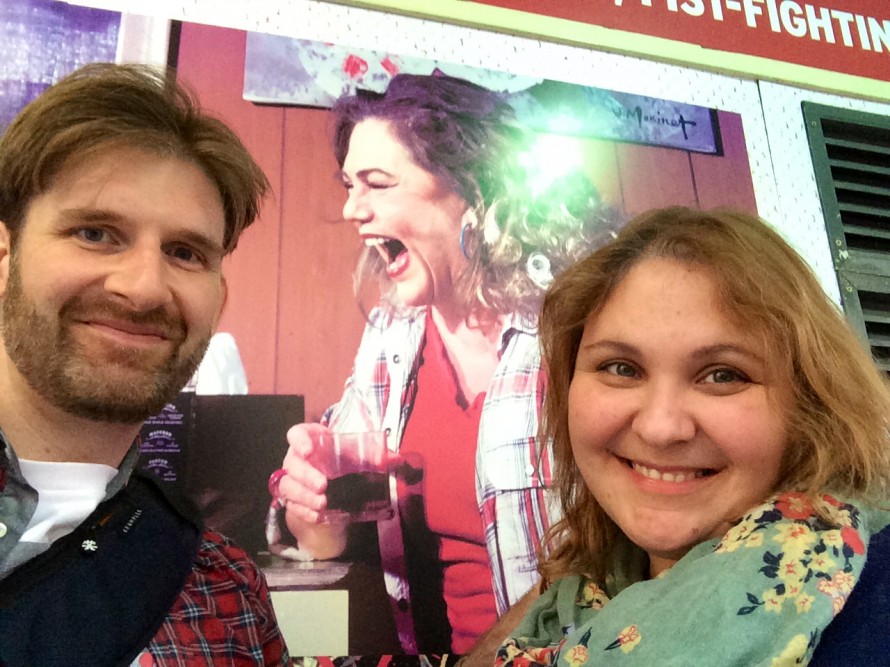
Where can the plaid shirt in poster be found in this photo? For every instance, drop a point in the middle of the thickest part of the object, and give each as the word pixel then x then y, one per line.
pixel 515 505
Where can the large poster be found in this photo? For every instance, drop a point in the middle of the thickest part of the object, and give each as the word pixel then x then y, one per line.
pixel 298 322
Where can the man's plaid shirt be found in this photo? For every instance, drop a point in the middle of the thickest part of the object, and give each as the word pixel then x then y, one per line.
pixel 223 615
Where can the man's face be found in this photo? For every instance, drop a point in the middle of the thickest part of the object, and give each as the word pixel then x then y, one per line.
pixel 114 286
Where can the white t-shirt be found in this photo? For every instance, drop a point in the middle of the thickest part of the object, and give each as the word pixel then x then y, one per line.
pixel 67 494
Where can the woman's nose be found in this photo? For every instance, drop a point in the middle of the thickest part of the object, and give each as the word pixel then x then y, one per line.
pixel 663 417
pixel 357 207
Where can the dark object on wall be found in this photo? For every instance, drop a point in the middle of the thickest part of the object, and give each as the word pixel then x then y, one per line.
pixel 219 451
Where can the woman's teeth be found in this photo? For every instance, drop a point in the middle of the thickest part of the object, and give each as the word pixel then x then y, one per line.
pixel 388 248
pixel 675 477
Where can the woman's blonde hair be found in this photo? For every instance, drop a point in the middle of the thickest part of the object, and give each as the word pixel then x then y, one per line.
pixel 837 429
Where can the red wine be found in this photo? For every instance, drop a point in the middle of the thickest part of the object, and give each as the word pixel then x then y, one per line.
pixel 358 494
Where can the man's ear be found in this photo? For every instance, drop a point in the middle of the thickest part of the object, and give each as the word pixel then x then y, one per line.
pixel 5 251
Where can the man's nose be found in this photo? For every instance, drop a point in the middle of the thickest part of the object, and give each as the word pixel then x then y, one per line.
pixel 140 278
pixel 663 417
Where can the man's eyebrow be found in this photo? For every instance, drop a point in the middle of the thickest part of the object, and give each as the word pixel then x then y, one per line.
pixel 85 214
pixel 202 241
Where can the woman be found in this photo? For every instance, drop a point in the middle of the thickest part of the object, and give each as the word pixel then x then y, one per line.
pixel 720 448
pixel 449 363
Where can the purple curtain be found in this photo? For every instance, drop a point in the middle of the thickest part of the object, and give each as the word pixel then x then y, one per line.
pixel 41 41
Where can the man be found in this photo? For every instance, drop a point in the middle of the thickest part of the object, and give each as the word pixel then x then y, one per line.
pixel 118 200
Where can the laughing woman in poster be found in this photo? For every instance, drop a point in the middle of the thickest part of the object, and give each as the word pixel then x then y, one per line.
pixel 449 365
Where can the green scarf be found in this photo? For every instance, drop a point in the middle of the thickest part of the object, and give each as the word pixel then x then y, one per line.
pixel 760 595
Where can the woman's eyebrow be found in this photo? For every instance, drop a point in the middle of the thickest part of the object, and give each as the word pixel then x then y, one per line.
pixel 362 174
pixel 621 347
pixel 609 345
pixel 728 348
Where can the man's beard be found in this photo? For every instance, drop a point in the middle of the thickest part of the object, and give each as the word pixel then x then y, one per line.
pixel 119 385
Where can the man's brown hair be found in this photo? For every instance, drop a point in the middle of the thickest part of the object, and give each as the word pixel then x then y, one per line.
pixel 103 106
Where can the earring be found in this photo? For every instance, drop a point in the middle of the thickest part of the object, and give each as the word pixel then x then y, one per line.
pixel 463 240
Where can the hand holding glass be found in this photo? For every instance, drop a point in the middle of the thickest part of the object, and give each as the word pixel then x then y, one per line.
pixel 358 479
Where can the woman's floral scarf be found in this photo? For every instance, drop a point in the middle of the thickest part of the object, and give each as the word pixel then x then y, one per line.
pixel 761 595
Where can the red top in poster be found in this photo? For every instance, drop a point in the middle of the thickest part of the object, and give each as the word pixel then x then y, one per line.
pixel 848 36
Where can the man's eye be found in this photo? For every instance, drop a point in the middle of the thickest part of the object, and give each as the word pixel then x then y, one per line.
pixel 186 254
pixel 620 368
pixel 92 234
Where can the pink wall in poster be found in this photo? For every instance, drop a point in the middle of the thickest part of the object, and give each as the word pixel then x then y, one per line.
pixel 291 307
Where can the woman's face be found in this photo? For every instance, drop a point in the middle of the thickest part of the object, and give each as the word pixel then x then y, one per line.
pixel 406 213
pixel 676 423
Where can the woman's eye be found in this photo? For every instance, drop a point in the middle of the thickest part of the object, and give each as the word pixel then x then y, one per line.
pixel 725 375
pixel 620 368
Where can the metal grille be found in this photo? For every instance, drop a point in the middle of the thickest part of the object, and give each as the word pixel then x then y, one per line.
pixel 876 318
pixel 859 160
pixel 851 158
